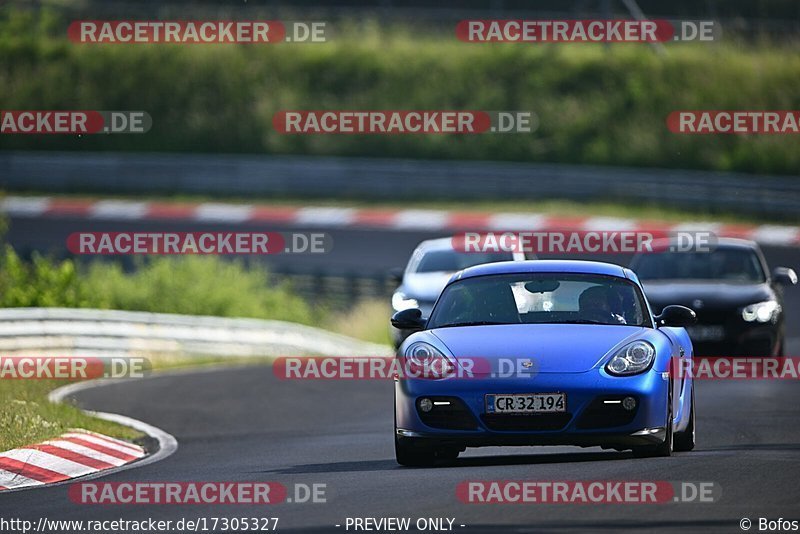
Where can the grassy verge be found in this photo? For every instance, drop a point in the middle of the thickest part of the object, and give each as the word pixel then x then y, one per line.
pixel 27 417
pixel 368 320
pixel 190 285
pixel 596 104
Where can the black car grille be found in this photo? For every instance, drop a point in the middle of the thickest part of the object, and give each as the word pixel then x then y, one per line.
pixel 601 415
pixel 714 317
pixel 549 421
pixel 455 416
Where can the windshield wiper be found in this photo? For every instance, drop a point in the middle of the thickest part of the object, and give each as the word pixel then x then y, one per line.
pixel 581 321
pixel 472 323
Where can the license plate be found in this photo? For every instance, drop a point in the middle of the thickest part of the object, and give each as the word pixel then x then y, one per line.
pixel 706 333
pixel 526 403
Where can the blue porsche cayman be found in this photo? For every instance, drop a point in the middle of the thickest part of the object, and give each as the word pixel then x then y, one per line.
pixel 543 353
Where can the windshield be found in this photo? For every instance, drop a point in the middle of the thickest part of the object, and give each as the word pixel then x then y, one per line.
pixel 540 298
pixel 451 260
pixel 730 265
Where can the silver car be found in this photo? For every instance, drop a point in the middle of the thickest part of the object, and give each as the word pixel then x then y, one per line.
pixel 431 265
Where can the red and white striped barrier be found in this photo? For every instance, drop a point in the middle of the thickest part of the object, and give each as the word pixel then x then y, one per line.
pixel 74 454
pixel 388 219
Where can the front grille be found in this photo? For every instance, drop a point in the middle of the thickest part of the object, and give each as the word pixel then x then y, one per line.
pixel 601 415
pixel 711 316
pixel 455 416
pixel 548 421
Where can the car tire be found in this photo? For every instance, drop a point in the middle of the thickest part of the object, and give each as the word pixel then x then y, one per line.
pixel 662 449
pixel 411 453
pixel 417 452
pixel 684 441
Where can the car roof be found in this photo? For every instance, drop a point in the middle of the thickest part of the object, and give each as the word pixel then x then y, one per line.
pixel 441 243
pixel 720 242
pixel 543 266
pixel 734 242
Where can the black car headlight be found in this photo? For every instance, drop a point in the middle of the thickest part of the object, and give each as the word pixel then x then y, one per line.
pixel 631 359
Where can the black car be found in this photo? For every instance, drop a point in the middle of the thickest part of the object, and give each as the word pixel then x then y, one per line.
pixel 739 303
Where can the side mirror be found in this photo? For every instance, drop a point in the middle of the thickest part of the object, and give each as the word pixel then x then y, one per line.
pixel 784 276
pixel 410 319
pixel 396 275
pixel 676 316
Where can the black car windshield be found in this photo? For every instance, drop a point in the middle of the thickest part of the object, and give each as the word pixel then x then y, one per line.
pixel 451 260
pixel 736 265
pixel 561 298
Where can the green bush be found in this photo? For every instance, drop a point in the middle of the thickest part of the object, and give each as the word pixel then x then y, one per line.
pixel 596 104
pixel 191 285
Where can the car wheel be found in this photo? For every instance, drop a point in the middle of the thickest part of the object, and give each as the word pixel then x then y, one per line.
pixel 684 441
pixel 662 449
pixel 411 453
pixel 417 452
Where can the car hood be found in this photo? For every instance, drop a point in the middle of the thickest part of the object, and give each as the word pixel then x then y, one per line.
pixel 425 286
pixel 713 294
pixel 552 348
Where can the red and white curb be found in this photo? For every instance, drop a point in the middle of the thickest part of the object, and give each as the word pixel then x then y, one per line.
pixel 74 454
pixel 80 453
pixel 385 219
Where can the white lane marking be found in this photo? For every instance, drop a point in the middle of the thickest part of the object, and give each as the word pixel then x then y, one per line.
pixel 609 224
pixel 215 212
pixel 421 219
pixel 24 206
pixel 326 216
pixel 776 235
pixel 518 222
pixel 118 209
pixel 697 226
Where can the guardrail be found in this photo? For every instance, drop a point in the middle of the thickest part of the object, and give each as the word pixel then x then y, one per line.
pixel 111 333
pixel 366 178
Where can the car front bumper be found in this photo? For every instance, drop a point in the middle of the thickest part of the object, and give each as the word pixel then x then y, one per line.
pixel 587 421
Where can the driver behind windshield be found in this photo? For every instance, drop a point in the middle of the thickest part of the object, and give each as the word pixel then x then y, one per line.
pixel 598 303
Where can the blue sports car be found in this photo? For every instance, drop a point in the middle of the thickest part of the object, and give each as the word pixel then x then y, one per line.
pixel 543 352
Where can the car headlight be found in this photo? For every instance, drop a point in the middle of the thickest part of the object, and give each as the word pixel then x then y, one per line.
pixel 631 359
pixel 763 312
pixel 400 302
pixel 423 360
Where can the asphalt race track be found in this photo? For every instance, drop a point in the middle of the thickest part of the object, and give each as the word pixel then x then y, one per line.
pixel 243 424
